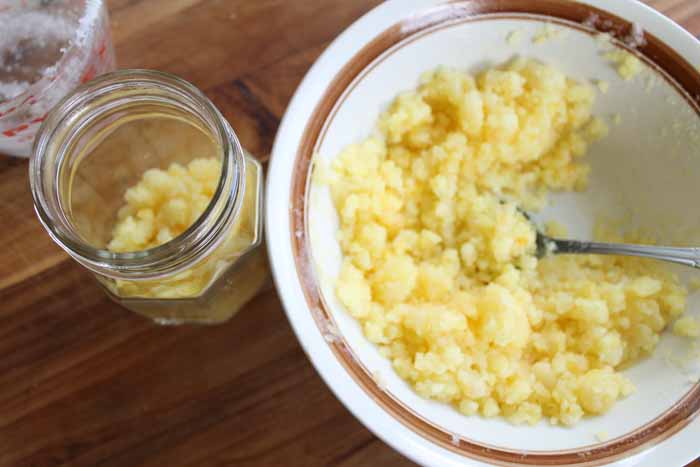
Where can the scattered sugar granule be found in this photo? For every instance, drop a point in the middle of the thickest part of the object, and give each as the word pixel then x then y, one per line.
pixel 379 379
pixel 454 439
pixel 547 33
pixel 603 86
pixel 604 41
pixel 321 171
pixel 556 229
pixel 677 125
pixel 514 38
pixel 602 436
pixel 330 332
pixel 627 65
pixel 636 36
pixel 651 82
pixel 694 284
pixel 676 361
pixel 591 21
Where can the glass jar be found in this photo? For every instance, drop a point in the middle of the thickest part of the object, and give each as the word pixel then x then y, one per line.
pixel 132 153
pixel 47 49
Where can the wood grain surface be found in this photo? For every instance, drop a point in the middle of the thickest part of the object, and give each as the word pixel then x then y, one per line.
pixel 84 382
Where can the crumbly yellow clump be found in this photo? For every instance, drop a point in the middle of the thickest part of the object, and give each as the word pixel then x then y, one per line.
pixel 628 66
pixel 514 37
pixel 546 33
pixel 161 206
pixel 604 86
pixel 687 327
pixel 439 267
pixel 604 41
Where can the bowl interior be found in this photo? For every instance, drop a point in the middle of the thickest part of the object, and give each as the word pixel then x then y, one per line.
pixel 644 174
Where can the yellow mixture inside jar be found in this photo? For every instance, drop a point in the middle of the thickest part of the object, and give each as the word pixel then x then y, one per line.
pixel 439 264
pixel 161 206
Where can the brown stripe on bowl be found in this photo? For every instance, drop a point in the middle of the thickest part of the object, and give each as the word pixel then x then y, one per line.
pixel 674 68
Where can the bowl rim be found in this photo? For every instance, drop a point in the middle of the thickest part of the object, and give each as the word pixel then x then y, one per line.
pixel 286 231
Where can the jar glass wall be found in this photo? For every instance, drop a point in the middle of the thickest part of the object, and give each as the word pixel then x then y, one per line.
pixel 141 180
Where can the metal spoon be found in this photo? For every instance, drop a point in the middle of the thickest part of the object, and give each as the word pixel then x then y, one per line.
pixel 554 246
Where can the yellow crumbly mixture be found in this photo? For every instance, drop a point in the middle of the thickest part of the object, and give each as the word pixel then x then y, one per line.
pixel 547 33
pixel 687 327
pixel 514 37
pixel 603 86
pixel 628 66
pixel 439 268
pixel 161 206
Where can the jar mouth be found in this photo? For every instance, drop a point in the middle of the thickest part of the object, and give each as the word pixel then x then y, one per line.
pixel 51 154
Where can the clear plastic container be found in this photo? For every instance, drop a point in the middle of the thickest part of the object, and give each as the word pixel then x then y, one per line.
pixel 47 49
pixel 110 169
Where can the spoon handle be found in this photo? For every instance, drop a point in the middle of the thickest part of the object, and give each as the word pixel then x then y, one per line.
pixel 685 256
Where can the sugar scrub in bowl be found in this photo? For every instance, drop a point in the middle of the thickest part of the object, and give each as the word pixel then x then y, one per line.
pixel 47 48
pixel 411 274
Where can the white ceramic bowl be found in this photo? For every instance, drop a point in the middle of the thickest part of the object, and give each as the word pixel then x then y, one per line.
pixel 646 170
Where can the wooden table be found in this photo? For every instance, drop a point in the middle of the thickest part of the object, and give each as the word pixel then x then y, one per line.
pixel 84 382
